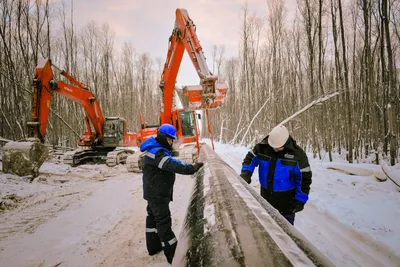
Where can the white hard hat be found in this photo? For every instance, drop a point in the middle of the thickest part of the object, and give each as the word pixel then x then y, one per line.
pixel 278 136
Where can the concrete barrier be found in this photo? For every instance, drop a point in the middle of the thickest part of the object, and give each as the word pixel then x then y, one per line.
pixel 229 224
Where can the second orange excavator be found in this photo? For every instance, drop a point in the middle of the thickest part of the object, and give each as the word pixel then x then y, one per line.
pixel 99 142
pixel 178 108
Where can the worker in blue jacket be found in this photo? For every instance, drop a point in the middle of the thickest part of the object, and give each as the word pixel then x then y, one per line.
pixel 283 170
pixel 159 169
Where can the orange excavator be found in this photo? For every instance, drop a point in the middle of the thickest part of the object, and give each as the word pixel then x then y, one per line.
pixel 178 106
pixel 99 143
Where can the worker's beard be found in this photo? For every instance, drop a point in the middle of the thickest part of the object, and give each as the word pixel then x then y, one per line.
pixel 162 140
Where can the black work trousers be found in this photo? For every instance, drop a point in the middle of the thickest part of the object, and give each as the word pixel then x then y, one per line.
pixel 159 234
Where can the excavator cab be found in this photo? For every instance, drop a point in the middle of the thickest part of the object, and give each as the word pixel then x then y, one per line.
pixel 186 149
pixel 186 127
pixel 114 132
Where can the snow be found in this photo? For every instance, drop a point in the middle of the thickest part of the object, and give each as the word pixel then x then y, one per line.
pixel 393 175
pixel 359 169
pixel 94 215
pixel 358 206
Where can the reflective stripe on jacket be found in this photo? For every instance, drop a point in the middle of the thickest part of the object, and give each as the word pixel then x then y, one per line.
pixel 159 168
pixel 284 175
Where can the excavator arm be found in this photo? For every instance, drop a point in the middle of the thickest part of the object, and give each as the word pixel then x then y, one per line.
pixel 45 86
pixel 179 110
pixel 209 94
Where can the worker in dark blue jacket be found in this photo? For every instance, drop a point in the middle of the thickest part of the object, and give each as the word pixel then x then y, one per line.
pixel 283 170
pixel 159 169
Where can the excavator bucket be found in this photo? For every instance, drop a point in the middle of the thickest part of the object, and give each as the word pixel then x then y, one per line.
pixel 24 158
pixel 194 98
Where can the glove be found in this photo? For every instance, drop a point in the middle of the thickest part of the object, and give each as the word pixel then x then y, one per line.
pixel 246 175
pixel 297 206
pixel 197 166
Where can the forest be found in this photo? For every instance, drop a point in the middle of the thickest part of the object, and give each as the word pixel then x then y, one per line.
pixel 345 49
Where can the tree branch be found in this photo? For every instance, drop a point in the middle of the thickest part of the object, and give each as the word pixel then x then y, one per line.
pixel 252 120
pixel 313 103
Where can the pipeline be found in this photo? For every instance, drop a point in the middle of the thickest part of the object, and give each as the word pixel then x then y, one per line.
pixel 229 224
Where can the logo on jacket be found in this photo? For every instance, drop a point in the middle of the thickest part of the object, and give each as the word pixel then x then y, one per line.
pixel 289 156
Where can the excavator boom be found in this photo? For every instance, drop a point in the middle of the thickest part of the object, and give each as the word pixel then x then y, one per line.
pixel 45 87
pixel 176 109
pixel 208 94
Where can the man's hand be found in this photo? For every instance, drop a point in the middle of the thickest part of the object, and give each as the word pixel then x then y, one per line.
pixel 197 166
pixel 246 175
pixel 297 206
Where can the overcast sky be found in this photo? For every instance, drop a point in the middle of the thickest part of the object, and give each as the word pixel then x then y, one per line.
pixel 147 24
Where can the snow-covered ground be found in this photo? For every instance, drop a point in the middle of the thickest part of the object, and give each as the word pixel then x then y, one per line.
pixel 94 215
pixel 353 220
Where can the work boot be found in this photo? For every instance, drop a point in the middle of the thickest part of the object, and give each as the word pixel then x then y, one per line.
pixel 153 243
pixel 169 251
pixel 154 252
pixel 170 257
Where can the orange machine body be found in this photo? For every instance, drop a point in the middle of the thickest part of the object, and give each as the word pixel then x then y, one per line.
pixel 45 86
pixel 207 95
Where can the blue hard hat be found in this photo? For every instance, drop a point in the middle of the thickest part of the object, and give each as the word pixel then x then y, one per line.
pixel 168 129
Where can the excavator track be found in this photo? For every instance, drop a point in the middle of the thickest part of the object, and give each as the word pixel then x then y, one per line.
pixel 75 158
pixel 134 162
pixel 118 157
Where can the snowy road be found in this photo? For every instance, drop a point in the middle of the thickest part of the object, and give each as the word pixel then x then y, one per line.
pixel 95 215
pixel 95 221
